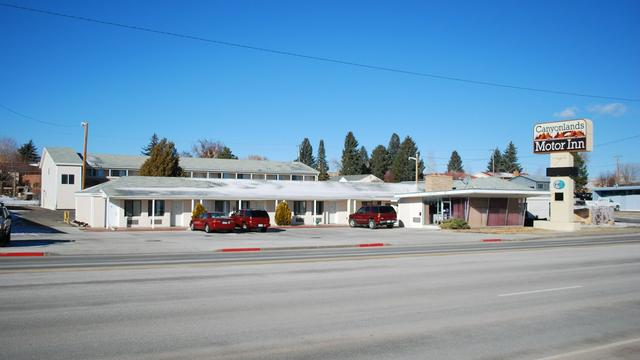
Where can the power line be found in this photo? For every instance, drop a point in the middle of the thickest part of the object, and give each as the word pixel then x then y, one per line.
pixel 317 58
pixel 34 119
pixel 619 140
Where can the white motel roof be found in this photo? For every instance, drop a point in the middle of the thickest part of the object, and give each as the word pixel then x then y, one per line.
pixel 479 187
pixel 148 187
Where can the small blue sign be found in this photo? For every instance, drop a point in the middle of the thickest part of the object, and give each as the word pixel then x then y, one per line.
pixel 558 184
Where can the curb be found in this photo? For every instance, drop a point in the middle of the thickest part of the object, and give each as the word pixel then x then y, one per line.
pixel 491 240
pixel 301 247
pixel 23 254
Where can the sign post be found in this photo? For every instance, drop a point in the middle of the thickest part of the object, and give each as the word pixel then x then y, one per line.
pixel 560 139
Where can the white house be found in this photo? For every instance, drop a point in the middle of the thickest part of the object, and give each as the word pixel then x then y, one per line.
pixel 62 172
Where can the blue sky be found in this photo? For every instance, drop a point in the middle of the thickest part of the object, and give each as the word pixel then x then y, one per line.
pixel 129 84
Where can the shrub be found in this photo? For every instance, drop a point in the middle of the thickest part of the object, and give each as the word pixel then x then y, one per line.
pixel 283 214
pixel 454 224
pixel 197 210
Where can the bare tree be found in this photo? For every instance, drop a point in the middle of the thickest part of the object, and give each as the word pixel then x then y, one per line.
pixel 256 157
pixel 8 150
pixel 206 148
pixel 606 179
pixel 629 173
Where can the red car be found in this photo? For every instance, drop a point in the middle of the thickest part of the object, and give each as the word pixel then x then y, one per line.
pixel 373 216
pixel 248 219
pixel 212 222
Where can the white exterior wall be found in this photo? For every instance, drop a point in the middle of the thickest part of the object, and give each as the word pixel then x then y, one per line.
pixel 83 209
pixel 408 209
pixel 65 192
pixel 49 185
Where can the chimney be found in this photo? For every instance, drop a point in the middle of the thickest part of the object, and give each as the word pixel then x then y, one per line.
pixel 436 182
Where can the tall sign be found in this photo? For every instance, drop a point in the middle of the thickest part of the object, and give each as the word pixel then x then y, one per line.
pixel 563 136
pixel 560 139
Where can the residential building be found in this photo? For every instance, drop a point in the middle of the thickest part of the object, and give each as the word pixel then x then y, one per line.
pixel 63 167
pixel 534 182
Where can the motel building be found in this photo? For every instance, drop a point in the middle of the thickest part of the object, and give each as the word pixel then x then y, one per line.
pixel 481 202
pixel 152 202
pixel 62 172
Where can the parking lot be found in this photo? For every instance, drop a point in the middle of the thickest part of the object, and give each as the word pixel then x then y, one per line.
pixel 38 230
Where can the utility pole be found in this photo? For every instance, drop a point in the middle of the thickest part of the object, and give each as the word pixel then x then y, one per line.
pixel 417 160
pixel 617 157
pixel 85 125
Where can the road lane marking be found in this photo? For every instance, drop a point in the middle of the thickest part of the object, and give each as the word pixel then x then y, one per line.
pixel 588 350
pixel 541 290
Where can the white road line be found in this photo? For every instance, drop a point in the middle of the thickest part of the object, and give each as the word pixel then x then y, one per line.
pixel 588 350
pixel 541 291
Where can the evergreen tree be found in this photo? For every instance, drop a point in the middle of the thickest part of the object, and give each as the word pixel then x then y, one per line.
pixel 582 178
pixel 379 161
pixel 351 163
pixel 392 149
pixel 402 168
pixel 510 159
pixel 495 161
pixel 455 163
pixel 152 143
pixel 321 163
pixel 163 161
pixel 365 164
pixel 226 154
pixel 305 153
pixel 28 152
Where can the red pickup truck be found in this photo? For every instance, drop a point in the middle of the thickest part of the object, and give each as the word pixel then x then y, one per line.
pixel 373 216
pixel 248 219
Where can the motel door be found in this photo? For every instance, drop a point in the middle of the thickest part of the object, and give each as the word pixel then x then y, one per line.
pixel 446 210
pixel 176 212
pixel 332 212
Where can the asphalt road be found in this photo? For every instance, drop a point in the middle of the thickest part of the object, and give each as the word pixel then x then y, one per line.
pixel 504 301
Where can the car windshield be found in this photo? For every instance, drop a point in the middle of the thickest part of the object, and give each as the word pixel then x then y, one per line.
pixel 257 213
pixel 218 215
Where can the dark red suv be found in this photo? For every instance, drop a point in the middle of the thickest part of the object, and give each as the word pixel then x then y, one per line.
pixel 251 219
pixel 374 216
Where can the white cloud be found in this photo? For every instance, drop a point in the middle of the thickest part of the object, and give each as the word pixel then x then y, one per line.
pixel 569 112
pixel 612 109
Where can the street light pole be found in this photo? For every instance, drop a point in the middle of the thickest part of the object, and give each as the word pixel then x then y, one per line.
pixel 85 125
pixel 417 160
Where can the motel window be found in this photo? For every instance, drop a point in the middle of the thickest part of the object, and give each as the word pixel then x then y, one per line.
pixel 297 177
pixel 244 176
pixel 96 172
pixel 219 206
pixel 199 175
pixel 309 178
pixel 319 207
pixel 133 173
pixel 132 208
pixel 258 176
pixel 540 186
pixel 118 172
pixel 272 177
pixel 228 176
pixel 68 179
pixel 159 209
pixel 215 175
pixel 299 207
pixel 284 177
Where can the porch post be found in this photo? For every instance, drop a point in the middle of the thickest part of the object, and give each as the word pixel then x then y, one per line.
pixel 506 218
pixel 153 213
pixel 106 213
pixel 193 205
pixel 239 204
pixel 314 213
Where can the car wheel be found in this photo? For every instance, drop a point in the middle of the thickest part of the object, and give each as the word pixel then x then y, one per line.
pixel 245 227
pixel 207 229
pixel 372 224
pixel 352 223
pixel 192 227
